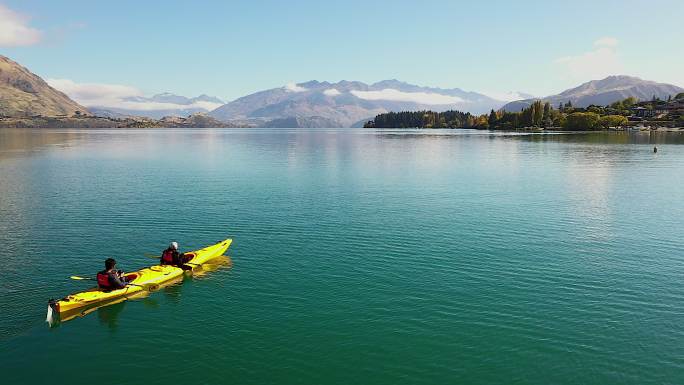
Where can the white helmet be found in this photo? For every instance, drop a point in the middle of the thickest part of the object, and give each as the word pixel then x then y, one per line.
pixel 174 245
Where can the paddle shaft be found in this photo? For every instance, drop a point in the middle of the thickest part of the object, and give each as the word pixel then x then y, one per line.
pixel 79 278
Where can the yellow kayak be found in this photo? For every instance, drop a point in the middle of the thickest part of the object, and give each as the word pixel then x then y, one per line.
pixel 141 281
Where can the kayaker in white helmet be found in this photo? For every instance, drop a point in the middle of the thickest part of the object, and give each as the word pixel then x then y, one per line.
pixel 173 256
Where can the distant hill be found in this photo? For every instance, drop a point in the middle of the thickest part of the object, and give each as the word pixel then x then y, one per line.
pixel 24 94
pixel 309 122
pixel 603 92
pixel 347 103
pixel 159 106
pixel 197 120
pixel 167 97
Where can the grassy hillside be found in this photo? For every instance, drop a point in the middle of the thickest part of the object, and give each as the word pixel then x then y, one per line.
pixel 24 94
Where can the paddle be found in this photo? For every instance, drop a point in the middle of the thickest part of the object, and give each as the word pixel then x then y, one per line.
pixel 148 286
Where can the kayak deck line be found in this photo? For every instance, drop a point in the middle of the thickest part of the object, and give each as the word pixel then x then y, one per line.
pixel 146 280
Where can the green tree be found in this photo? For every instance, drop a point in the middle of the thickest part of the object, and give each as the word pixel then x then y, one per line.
pixel 481 122
pixel 547 110
pixel 595 109
pixel 624 104
pixel 559 120
pixel 526 117
pixel 470 121
pixel 537 113
pixel 612 121
pixel 492 118
pixel 629 102
pixel 582 121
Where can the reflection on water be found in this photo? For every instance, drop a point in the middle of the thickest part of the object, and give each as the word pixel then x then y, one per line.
pixel 18 142
pixel 589 192
pixel 173 294
pixel 618 137
pixel 222 262
pixel 150 302
pixel 596 137
pixel 109 315
pixel 370 256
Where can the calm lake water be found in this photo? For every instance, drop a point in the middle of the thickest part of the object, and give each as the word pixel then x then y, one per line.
pixel 359 256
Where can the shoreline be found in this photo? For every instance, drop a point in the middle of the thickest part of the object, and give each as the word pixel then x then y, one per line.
pixel 204 121
pixel 40 122
pixel 162 127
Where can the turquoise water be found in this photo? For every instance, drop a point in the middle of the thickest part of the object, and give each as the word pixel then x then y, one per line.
pixel 366 257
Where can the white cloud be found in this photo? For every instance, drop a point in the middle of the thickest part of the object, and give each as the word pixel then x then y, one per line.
pixel 209 106
pixel 95 94
pixel 293 87
pixel 332 92
pixel 14 29
pixel 115 95
pixel 598 63
pixel 415 97
pixel 509 96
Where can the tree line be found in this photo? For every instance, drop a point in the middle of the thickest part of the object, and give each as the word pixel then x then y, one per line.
pixel 537 115
pixel 423 119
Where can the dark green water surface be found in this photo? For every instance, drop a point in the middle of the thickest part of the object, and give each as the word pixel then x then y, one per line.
pixel 359 257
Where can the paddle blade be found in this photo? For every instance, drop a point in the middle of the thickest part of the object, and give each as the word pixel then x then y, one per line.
pixel 76 277
pixel 50 318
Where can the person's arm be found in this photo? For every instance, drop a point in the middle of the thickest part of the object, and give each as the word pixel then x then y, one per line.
pixel 114 281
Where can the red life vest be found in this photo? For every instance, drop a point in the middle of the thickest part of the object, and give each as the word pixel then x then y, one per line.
pixel 103 280
pixel 167 256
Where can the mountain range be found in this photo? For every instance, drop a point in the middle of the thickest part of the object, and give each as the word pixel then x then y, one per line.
pixel 603 92
pixel 155 107
pixel 310 104
pixel 347 103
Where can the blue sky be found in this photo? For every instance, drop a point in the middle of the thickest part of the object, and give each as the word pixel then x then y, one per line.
pixel 232 48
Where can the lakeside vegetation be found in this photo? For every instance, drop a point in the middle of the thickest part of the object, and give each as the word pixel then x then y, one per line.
pixel 541 115
pixel 198 120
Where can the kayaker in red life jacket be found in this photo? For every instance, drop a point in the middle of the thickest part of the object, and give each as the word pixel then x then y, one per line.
pixel 171 256
pixel 110 278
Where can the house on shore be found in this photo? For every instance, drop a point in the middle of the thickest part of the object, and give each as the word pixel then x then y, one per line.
pixel 652 109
